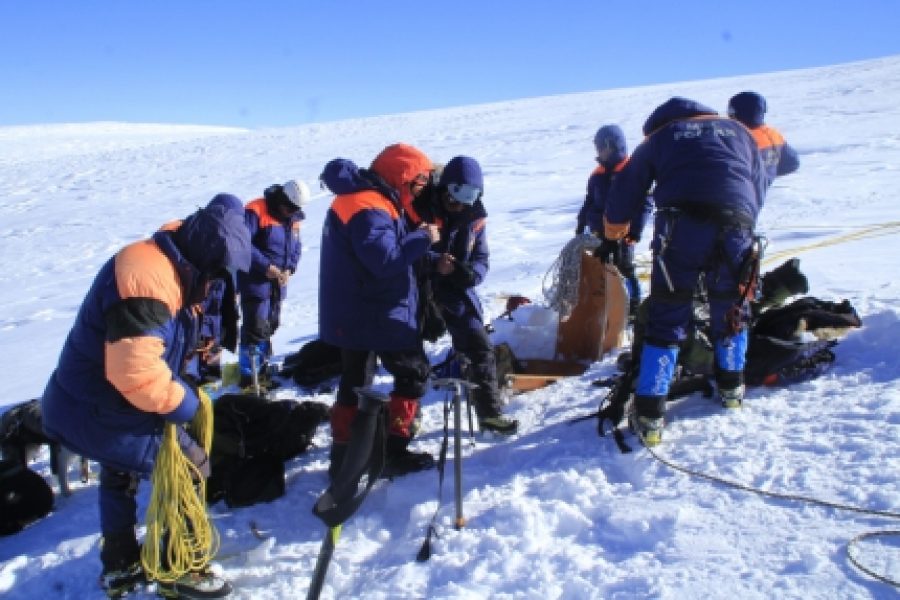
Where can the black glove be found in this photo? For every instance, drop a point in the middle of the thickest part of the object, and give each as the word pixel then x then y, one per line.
pixel 463 276
pixel 608 251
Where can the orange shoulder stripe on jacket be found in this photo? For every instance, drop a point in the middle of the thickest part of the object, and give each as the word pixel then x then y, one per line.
pixel 259 208
pixel 766 137
pixel 479 224
pixel 600 169
pixel 143 271
pixel 346 206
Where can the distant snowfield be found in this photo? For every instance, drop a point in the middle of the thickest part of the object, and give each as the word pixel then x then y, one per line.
pixel 554 512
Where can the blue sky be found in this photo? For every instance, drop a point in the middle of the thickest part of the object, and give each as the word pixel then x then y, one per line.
pixel 279 63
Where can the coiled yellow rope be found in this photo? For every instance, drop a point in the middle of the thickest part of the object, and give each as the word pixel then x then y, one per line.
pixel 180 537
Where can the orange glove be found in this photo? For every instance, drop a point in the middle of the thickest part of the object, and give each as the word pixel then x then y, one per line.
pixel 614 231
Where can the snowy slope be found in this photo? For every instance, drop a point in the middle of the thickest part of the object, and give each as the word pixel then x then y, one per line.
pixel 555 512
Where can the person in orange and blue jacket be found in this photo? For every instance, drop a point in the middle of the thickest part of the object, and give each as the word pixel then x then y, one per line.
pixel 118 380
pixel 710 187
pixel 368 294
pixel 778 157
pixel 455 266
pixel 612 154
pixel 274 224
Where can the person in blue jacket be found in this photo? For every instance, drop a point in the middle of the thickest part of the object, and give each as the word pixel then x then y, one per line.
pixel 368 294
pixel 612 154
pixel 119 376
pixel 710 187
pixel 456 265
pixel 218 328
pixel 274 223
pixel 778 157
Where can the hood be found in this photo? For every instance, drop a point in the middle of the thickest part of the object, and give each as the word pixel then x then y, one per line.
pixel 398 165
pixel 611 136
pixel 749 108
pixel 462 170
pixel 216 237
pixel 672 109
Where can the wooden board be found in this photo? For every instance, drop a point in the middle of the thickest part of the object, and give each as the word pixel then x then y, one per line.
pixel 520 382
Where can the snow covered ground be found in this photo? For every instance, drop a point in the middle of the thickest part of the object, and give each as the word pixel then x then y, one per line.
pixel 554 512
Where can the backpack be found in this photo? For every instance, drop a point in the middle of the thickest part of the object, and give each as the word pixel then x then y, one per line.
pixel 252 438
pixel 24 497
pixel 315 363
pixel 786 344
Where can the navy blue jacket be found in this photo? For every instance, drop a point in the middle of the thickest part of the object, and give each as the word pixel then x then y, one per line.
pixel 464 236
pixel 118 379
pixel 368 294
pixel 697 159
pixel 275 242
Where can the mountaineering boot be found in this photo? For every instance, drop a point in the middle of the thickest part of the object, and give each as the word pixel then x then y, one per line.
pixel 402 426
pixel 731 388
pixel 400 460
pixel 647 419
pixel 121 558
pixel 731 356
pixel 648 429
pixel 196 584
pixel 119 582
pixel 732 398
pixel 499 424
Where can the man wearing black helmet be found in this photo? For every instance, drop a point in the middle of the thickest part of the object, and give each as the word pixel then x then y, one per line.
pixel 778 157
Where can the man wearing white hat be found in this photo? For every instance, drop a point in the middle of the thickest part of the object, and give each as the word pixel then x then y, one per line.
pixel 274 224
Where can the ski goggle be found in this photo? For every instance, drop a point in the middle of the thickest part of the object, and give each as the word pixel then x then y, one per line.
pixel 464 193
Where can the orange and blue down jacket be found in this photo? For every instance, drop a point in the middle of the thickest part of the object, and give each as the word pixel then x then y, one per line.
pixel 118 380
pixel 275 242
pixel 368 297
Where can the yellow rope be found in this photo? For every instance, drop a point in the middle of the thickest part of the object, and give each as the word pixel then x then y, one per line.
pixel 176 516
pixel 870 231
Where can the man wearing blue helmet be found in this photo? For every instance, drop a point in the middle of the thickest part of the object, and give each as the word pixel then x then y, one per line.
pixel 457 264
pixel 612 156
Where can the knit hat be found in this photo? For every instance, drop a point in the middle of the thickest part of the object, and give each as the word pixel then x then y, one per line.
pixel 747 107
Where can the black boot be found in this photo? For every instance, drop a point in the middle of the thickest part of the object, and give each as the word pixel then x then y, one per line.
pixel 196 584
pixel 121 558
pixel 399 460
